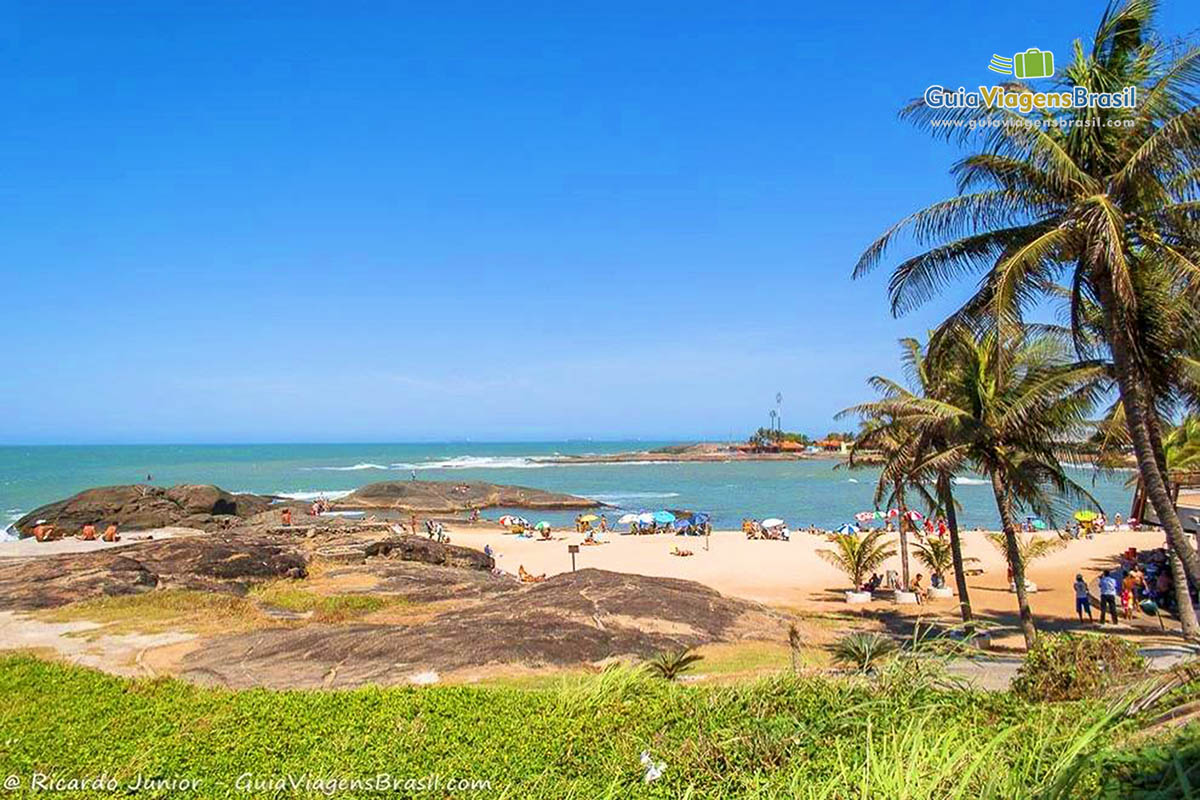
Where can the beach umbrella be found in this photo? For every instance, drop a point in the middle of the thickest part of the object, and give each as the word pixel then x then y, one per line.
pixel 1086 516
pixel 541 526
pixel 627 519
pixel 865 516
pixel 773 522
pixel 645 517
pixel 588 518
pixel 1039 524
pixel 914 516
pixel 847 529
pixel 508 519
pixel 663 517
pixel 893 513
pixel 699 519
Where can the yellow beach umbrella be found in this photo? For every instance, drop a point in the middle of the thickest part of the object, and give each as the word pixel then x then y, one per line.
pixel 588 518
pixel 1086 516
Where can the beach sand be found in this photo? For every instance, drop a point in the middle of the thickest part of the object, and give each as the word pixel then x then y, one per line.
pixel 31 548
pixel 791 575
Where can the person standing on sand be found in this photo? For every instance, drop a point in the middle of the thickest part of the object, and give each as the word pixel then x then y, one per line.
pixel 1108 596
pixel 1083 599
pixel 603 524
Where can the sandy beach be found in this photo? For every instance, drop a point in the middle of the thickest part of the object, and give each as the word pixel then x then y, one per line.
pixel 791 575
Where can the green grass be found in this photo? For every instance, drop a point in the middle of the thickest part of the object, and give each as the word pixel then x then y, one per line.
pixel 159 611
pixel 581 738
pixel 290 596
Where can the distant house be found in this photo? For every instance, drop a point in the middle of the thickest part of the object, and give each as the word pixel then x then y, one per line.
pixel 834 445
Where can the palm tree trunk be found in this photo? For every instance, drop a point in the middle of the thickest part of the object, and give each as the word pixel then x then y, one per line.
pixel 946 496
pixel 1139 415
pixel 1014 558
pixel 899 494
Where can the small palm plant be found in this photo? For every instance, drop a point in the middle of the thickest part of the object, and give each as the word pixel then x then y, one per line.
pixel 856 556
pixel 864 651
pixel 670 664
pixel 936 554
pixel 1031 547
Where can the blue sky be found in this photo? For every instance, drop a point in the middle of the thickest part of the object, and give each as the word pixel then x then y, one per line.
pixel 387 221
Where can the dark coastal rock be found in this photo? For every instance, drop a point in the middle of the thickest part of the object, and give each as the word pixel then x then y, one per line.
pixel 570 619
pixel 142 507
pixel 227 561
pixel 215 562
pixel 443 497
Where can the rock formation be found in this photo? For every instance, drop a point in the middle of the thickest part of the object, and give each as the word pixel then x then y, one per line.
pixel 443 497
pixel 143 507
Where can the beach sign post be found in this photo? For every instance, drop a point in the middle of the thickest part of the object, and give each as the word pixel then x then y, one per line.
pixel 572 549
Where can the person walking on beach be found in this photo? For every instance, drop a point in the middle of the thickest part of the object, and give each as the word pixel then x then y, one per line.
pixel 1108 596
pixel 1083 600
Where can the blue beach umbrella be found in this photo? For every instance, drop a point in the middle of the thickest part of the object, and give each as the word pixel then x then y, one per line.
pixel 847 529
pixel 663 517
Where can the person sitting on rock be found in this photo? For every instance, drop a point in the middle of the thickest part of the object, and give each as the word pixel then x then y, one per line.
pixel 110 533
pixel 88 533
pixel 918 588
pixel 286 515
pixel 41 531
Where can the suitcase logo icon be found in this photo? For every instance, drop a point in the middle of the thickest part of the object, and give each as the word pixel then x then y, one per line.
pixel 1033 63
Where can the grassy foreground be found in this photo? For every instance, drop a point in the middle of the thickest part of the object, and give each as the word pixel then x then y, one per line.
pixel 785 736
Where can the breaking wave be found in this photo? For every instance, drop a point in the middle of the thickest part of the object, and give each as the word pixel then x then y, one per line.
pixel 970 482
pixel 614 496
pixel 355 468
pixel 337 494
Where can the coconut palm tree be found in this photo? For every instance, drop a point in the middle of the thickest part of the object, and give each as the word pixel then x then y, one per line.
pixel 858 555
pixel 1031 547
pixel 881 434
pixel 936 553
pixel 906 448
pixel 1084 198
pixel 1010 405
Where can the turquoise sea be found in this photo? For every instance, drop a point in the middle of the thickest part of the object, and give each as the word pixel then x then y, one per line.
pixel 800 492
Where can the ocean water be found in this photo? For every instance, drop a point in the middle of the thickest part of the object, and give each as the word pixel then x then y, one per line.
pixel 800 492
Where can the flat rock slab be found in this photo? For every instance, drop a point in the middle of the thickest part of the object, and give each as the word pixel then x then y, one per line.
pixel 570 619
pixel 213 562
pixel 444 497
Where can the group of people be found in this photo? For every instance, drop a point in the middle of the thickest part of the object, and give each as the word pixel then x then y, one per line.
pixel 47 532
pixel 1139 577
pixel 892 581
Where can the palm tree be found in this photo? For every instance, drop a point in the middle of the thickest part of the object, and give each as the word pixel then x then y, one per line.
pixel 936 553
pixel 1031 547
pixel 882 434
pixel 1009 405
pixel 856 556
pixel 1089 200
pixel 910 449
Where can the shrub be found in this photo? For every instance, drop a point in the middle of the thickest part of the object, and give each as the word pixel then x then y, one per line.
pixel 1074 666
pixel 865 651
pixel 673 663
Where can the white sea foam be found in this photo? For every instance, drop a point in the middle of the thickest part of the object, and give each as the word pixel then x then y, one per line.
pixel 354 468
pixel 851 480
pixel 614 496
pixel 970 482
pixel 336 494
pixel 477 462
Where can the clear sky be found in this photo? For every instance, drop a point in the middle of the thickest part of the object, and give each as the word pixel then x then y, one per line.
pixel 387 221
